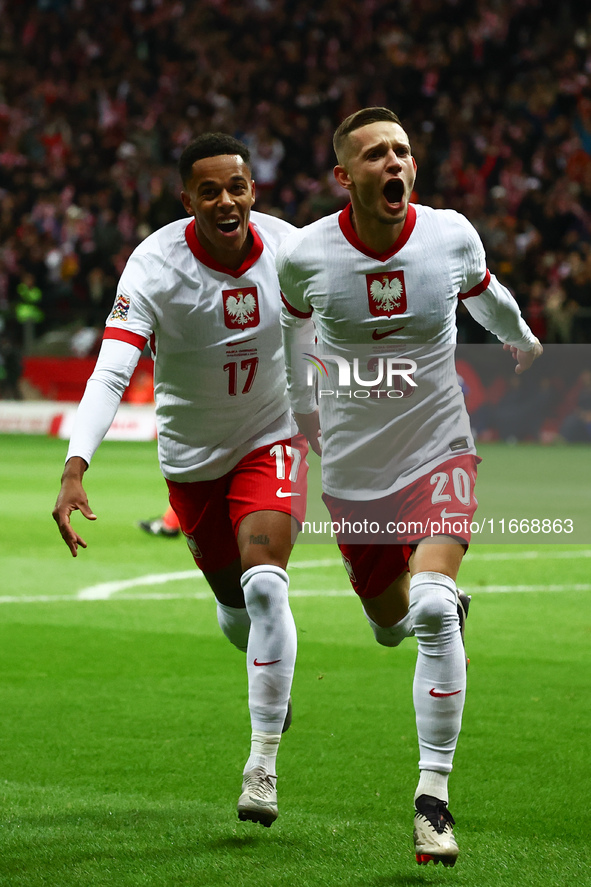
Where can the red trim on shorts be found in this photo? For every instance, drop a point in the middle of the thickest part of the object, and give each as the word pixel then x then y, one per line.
pixel 346 225
pixel 114 332
pixel 303 314
pixel 476 290
pixel 203 256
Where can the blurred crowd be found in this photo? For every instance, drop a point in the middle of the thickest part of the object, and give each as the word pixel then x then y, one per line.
pixel 98 101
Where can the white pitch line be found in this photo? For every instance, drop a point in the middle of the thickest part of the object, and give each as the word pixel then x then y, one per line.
pixel 296 593
pixel 105 590
pixel 473 555
pixel 505 589
pixel 527 555
pixel 61 598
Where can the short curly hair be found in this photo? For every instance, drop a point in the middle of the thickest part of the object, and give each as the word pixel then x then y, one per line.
pixel 210 144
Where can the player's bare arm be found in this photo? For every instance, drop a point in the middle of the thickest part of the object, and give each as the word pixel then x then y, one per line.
pixel 72 497
pixel 309 425
pixel 524 359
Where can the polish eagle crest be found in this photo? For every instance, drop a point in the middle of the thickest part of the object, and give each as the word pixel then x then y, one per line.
pixel 241 307
pixel 386 293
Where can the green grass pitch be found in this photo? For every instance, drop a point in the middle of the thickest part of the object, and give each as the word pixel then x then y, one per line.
pixel 123 718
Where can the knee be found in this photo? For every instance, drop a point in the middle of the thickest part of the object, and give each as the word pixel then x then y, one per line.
pixel 433 602
pixel 254 556
pixel 388 637
pixel 391 635
pixel 429 610
pixel 265 587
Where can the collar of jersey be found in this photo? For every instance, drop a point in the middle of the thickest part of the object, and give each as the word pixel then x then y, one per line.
pixel 203 256
pixel 346 224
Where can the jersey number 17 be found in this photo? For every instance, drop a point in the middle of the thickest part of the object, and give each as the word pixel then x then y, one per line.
pixel 249 366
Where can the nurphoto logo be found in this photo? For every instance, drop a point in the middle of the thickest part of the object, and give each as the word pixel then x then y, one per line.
pixel 377 377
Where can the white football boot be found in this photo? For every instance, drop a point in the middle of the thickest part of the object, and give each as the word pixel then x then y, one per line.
pixel 258 801
pixel 433 832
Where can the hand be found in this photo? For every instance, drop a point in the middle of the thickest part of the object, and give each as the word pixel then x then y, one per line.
pixel 524 358
pixel 309 425
pixel 72 498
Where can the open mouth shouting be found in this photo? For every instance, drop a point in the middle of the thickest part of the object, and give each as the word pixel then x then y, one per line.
pixel 228 225
pixel 394 192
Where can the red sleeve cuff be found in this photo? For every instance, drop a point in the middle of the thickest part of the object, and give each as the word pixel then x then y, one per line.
pixel 294 311
pixel 476 290
pixel 113 332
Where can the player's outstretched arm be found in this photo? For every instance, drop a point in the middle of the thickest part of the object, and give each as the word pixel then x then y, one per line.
pixel 96 411
pixel 524 359
pixel 72 497
pixel 309 425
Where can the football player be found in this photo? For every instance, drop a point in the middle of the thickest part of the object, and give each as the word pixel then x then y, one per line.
pixel 204 294
pixel 379 282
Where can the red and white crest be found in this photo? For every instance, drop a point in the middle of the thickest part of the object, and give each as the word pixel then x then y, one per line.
pixel 349 568
pixel 193 547
pixel 386 293
pixel 241 308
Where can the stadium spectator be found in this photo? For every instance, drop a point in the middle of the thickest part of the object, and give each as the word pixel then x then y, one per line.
pixel 559 314
pixel 10 370
pixel 206 295
pixel 577 285
pixel 408 461
pixel 576 426
pixel 266 153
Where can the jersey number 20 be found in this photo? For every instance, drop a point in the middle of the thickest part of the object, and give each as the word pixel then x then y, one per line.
pixel 461 485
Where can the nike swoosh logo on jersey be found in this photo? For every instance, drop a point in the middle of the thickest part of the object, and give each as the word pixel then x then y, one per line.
pixel 283 495
pixel 377 336
pixel 242 341
pixel 447 514
pixel 273 662
pixel 433 692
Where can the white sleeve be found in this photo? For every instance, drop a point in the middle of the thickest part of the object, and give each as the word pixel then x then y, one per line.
pixel 297 327
pixel 298 337
pixel 497 311
pixel 114 368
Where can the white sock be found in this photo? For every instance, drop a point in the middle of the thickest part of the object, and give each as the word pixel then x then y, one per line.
pixel 263 752
pixel 235 624
pixel 394 634
pixel 272 645
pixel 433 784
pixel 439 687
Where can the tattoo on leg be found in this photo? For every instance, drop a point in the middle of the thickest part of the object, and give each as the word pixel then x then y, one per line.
pixel 261 539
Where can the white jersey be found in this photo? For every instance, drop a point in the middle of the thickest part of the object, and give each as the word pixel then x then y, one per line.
pixel 395 311
pixel 219 374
